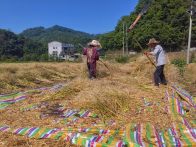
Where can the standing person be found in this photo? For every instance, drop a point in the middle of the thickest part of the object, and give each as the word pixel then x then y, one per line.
pixel 92 57
pixel 159 53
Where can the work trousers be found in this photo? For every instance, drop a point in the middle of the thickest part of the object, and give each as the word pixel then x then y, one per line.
pixel 92 69
pixel 159 77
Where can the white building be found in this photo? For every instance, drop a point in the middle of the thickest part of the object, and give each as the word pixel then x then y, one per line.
pixel 60 50
pixel 193 49
pixel 132 52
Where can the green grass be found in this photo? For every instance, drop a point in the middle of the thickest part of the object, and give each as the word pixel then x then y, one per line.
pixel 122 59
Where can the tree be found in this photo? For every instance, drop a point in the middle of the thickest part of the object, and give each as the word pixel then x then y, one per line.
pixel 165 20
pixel 10 44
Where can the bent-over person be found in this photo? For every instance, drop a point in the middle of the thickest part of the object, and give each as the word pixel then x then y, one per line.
pixel 159 53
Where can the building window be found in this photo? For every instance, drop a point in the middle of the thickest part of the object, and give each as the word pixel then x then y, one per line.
pixel 55 53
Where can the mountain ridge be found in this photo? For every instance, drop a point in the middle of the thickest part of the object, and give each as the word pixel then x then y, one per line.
pixel 58 33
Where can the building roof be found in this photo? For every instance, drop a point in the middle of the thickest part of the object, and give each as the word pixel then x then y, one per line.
pixel 63 44
pixel 67 45
pixel 54 42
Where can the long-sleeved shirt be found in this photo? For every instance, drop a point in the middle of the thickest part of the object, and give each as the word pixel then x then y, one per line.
pixel 92 54
pixel 159 54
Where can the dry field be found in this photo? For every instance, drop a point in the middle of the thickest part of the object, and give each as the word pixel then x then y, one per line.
pixel 117 94
pixel 21 76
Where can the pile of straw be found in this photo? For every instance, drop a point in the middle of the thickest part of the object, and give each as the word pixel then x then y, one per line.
pixel 123 93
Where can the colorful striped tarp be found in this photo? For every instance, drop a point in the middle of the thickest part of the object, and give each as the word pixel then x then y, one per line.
pixel 8 99
pixel 182 132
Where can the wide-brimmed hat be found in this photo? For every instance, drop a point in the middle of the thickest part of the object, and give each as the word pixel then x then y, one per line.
pixel 152 41
pixel 95 43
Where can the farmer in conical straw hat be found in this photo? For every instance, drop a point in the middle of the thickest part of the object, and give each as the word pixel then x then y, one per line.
pixel 92 57
pixel 159 53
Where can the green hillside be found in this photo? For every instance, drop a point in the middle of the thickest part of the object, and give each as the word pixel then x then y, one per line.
pixel 32 43
pixel 57 33
pixel 14 47
pixel 10 44
pixel 166 20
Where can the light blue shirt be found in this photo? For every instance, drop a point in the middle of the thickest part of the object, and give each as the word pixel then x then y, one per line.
pixel 159 54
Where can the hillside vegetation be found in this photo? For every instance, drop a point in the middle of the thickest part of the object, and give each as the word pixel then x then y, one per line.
pixel 32 44
pixel 57 33
pixel 165 20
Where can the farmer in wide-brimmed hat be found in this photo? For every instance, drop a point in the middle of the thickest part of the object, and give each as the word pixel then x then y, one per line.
pixel 159 53
pixel 92 56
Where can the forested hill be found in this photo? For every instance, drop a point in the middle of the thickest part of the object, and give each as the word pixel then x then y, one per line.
pixel 32 44
pixel 166 20
pixel 57 33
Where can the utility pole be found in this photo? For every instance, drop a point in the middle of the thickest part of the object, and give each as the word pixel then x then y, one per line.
pixel 127 50
pixel 123 38
pixel 192 12
pixel 189 40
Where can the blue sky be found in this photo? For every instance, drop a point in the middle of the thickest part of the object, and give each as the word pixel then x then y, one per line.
pixel 91 16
